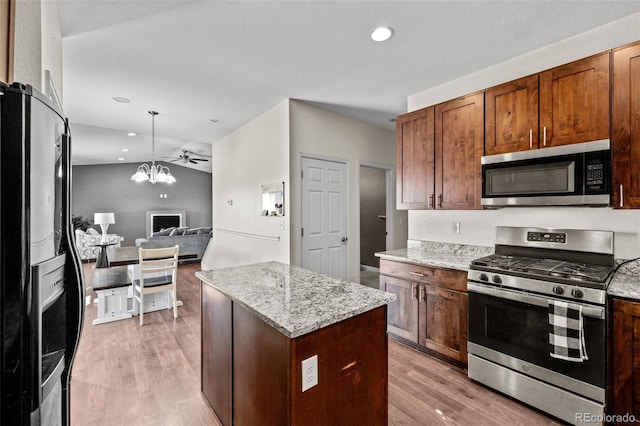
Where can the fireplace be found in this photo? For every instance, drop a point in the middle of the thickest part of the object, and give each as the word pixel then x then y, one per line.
pixel 161 219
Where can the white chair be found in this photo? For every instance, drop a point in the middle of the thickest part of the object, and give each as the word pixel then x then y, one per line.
pixel 158 272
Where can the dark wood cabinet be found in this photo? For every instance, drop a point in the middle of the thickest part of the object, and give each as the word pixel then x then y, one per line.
pixel 626 358
pixel 625 115
pixel 252 373
pixel 402 313
pixel 430 311
pixel 217 362
pixel 443 318
pixel 459 148
pixel 415 160
pixel 574 102
pixel 512 116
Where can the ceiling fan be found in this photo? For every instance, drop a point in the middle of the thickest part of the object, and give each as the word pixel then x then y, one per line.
pixel 186 157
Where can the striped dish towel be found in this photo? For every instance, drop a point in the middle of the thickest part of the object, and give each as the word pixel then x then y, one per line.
pixel 566 332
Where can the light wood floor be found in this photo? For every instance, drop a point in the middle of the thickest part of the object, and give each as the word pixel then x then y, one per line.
pixel 130 375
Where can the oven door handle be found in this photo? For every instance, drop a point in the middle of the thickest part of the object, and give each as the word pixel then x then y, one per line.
pixel 587 310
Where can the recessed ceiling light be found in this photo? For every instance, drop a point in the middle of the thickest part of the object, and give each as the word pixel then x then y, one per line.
pixel 382 34
pixel 125 150
pixel 121 99
pixel 131 134
pixel 121 159
pixel 214 120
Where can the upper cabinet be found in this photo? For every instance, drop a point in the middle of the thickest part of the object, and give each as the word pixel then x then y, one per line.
pixel 565 105
pixel 415 160
pixel 625 117
pixel 438 155
pixel 459 148
pixel 574 102
pixel 512 116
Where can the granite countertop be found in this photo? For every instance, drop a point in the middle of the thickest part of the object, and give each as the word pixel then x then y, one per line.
pixel 443 255
pixel 626 281
pixel 294 301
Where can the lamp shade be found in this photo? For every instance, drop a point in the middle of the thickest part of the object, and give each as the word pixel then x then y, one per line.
pixel 104 218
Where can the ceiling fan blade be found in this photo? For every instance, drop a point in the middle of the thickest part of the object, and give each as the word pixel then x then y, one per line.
pixel 194 162
pixel 174 160
pixel 200 159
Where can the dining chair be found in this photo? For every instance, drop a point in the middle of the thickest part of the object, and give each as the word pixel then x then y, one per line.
pixel 158 272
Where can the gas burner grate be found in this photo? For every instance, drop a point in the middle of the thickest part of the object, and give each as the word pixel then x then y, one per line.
pixel 546 267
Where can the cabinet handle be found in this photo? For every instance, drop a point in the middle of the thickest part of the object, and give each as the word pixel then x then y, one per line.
pixel 416 274
pixel 544 136
pixel 431 201
pixel 423 295
pixel 439 201
pixel 414 291
pixel 530 138
pixel 621 196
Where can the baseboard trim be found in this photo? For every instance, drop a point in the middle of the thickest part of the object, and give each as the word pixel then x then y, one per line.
pixel 369 268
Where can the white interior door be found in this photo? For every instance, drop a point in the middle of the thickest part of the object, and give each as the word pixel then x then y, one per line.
pixel 324 217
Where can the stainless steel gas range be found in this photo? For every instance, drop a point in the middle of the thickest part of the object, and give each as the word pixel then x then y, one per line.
pixel 513 339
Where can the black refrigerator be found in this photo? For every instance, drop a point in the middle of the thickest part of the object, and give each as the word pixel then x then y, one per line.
pixel 41 281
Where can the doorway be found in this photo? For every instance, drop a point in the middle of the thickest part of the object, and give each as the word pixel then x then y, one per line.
pixel 375 219
pixel 324 214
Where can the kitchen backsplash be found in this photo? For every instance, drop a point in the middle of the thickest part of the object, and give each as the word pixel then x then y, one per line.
pixel 477 227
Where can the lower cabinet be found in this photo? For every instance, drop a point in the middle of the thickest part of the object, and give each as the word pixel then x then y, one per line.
pixel 430 310
pixel 626 358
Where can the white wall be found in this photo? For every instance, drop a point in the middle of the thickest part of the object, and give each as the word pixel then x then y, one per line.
pixel 255 154
pixel 316 131
pixel 38 43
pixel 27 65
pixel 52 44
pixel 477 227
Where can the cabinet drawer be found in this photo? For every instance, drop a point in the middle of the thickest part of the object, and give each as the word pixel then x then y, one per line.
pixel 447 278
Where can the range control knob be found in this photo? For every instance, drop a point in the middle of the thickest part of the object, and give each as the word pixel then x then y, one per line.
pixel 484 277
pixel 577 293
pixel 558 289
pixel 496 279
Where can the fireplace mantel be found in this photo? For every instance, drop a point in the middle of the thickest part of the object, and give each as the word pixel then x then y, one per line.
pixel 152 214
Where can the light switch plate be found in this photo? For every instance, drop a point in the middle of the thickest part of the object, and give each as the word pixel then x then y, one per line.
pixel 309 373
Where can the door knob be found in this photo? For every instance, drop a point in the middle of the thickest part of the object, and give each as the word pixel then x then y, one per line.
pixel 344 239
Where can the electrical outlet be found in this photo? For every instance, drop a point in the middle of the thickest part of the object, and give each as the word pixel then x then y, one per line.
pixel 455 228
pixel 309 373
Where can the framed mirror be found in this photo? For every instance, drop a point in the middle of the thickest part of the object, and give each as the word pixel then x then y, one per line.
pixel 273 199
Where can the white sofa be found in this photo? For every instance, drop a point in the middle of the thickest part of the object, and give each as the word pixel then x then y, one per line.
pixel 85 241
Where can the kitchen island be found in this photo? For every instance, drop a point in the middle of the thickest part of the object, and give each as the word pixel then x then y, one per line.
pixel 261 323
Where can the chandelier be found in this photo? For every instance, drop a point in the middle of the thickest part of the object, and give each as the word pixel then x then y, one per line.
pixel 153 173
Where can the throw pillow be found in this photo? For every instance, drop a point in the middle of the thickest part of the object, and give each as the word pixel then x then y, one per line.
pixel 191 231
pixel 164 232
pixel 92 231
pixel 204 230
pixel 179 231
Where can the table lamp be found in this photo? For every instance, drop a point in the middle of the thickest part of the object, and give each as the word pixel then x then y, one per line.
pixel 104 219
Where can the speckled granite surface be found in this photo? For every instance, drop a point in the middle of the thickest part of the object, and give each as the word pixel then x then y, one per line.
pixel 294 301
pixel 626 281
pixel 444 255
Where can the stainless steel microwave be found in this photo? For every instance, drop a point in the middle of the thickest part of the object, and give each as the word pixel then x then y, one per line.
pixel 568 175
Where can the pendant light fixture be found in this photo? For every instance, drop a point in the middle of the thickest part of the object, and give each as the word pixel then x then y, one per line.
pixel 154 173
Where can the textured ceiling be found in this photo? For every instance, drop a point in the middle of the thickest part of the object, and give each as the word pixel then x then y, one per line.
pixel 232 60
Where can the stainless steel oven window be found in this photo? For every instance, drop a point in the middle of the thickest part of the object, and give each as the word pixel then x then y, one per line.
pixel 520 330
pixel 549 178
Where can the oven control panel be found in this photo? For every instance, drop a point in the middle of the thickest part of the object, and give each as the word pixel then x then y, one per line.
pixel 547 237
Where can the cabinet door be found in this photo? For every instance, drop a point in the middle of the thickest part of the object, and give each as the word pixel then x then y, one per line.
pixel 459 148
pixel 443 321
pixel 626 358
pixel 415 160
pixel 574 102
pixel 625 113
pixel 511 116
pixel 402 313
